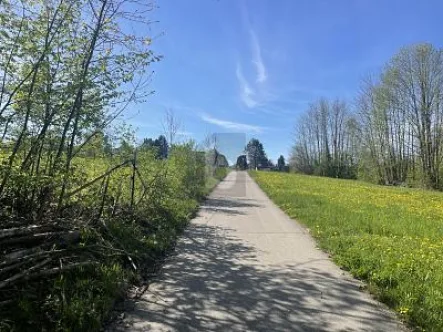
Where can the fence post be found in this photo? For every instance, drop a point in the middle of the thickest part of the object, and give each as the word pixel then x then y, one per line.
pixel 134 165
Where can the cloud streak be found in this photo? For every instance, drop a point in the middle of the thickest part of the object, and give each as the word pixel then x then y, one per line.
pixel 232 125
pixel 247 94
pixel 257 59
pixel 251 91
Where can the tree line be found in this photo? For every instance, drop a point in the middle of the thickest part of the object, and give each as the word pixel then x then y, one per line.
pixel 392 134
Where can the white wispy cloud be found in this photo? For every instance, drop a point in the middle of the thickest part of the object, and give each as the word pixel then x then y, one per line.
pixel 257 60
pixel 247 94
pixel 232 125
pixel 252 90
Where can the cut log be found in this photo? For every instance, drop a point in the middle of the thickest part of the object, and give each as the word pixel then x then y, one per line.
pixel 19 253
pixel 6 302
pixel 29 240
pixel 17 231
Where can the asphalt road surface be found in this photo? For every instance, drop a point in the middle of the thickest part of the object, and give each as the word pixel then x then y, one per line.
pixel 243 265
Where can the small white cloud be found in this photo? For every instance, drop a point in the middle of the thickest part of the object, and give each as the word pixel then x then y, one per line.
pixel 257 59
pixel 247 94
pixel 232 125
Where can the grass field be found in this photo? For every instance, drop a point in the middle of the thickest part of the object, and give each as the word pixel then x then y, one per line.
pixel 391 237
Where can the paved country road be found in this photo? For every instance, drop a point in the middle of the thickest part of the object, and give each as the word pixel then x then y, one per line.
pixel 243 265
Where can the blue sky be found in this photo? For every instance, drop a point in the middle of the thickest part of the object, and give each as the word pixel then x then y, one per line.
pixel 252 66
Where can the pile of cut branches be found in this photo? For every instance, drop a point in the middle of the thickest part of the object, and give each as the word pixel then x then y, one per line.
pixel 31 252
pixel 43 266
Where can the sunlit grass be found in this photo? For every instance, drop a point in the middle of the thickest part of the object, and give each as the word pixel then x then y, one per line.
pixel 390 237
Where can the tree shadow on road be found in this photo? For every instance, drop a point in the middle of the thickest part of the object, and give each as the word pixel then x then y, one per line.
pixel 228 206
pixel 214 283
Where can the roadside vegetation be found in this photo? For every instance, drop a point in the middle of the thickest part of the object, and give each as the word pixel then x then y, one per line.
pixel 213 179
pixel 390 237
pixel 86 209
pixel 63 270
